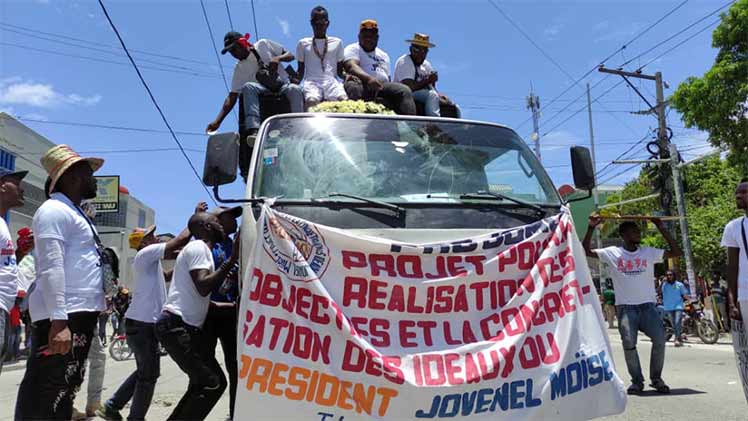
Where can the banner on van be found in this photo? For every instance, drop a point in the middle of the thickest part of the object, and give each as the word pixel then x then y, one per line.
pixel 336 326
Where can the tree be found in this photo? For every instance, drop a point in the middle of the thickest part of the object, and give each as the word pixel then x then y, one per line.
pixel 718 101
pixel 710 203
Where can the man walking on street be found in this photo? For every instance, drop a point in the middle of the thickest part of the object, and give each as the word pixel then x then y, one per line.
pixel 11 196
pixel 149 295
pixel 179 328
pixel 673 294
pixel 632 271
pixel 69 292
pixel 368 69
pixel 220 323
pixel 735 238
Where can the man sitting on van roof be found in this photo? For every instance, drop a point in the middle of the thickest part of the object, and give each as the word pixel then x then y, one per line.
pixel 368 69
pixel 417 73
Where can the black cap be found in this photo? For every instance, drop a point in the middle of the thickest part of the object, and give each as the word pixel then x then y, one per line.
pixel 229 40
pixel 10 173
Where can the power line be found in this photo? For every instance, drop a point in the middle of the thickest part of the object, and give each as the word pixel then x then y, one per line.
pixel 703 18
pixel 254 19
pixel 104 126
pixel 155 103
pixel 35 32
pixel 581 109
pixel 621 48
pixel 57 53
pixel 527 37
pixel 609 164
pixel 228 13
pixel 681 43
pixel 144 150
pixel 215 49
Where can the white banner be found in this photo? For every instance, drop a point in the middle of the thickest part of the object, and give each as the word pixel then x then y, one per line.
pixel 505 325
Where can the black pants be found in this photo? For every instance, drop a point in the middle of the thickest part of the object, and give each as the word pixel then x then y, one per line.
pixel 220 324
pixel 48 389
pixel 395 96
pixel 186 345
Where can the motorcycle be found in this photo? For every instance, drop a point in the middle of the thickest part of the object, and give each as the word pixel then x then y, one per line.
pixel 694 323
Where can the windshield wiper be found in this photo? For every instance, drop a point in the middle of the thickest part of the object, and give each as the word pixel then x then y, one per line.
pixel 399 210
pixel 487 195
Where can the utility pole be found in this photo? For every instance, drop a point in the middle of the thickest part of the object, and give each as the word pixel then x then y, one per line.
pixel 663 140
pixel 533 103
pixel 595 198
pixel 681 204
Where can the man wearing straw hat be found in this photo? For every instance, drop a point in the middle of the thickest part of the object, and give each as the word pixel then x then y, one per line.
pixel 69 292
pixel 414 71
pixel 368 69
pixel 11 196
pixel 631 268
pixel 149 295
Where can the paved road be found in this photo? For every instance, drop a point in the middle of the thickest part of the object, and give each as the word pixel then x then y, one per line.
pixel 703 378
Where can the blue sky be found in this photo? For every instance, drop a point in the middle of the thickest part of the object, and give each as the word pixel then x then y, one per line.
pixel 484 63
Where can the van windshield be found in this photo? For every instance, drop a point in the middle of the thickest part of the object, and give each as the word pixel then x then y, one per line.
pixel 396 160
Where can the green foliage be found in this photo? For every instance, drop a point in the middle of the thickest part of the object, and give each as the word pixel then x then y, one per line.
pixel 718 101
pixel 710 203
pixel 356 107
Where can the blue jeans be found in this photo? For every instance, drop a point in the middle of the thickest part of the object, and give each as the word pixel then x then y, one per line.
pixel 676 317
pixel 252 91
pixel 141 337
pixel 430 100
pixel 645 318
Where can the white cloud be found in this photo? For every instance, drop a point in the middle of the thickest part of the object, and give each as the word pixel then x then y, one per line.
pixel 552 31
pixel 19 92
pixel 285 27
pixel 559 140
pixel 620 33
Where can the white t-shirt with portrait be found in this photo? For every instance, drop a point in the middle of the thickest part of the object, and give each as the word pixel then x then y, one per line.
pixel 314 69
pixel 406 69
pixel 733 237
pixel 632 273
pixel 8 269
pixel 184 300
pixel 245 70
pixel 149 287
pixel 375 63
pixel 59 219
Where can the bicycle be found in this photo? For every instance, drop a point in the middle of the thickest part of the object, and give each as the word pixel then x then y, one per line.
pixel 119 349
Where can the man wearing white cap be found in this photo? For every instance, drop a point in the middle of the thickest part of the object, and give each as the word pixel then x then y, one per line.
pixel 69 293
pixel 149 295
pixel 11 196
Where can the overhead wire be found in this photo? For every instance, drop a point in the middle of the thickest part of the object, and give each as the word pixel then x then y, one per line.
pixel 153 100
pixel 228 13
pixel 215 50
pixel 254 19
pixel 104 126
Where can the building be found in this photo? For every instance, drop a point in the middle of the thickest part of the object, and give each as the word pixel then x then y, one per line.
pixel 21 148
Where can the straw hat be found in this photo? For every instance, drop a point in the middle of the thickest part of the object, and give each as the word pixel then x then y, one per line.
pixel 421 40
pixel 59 158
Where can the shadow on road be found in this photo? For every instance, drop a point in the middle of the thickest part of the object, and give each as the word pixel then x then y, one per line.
pixel 673 392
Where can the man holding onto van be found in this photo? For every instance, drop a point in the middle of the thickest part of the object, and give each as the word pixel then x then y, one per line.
pixel 416 72
pixel 321 62
pixel 632 272
pixel 368 69
pixel 735 238
pixel 250 59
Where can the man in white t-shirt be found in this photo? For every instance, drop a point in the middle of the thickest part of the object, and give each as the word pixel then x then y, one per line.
pixel 69 292
pixel 321 62
pixel 632 272
pixel 244 82
pixel 179 327
pixel 149 295
pixel 416 72
pixel 368 69
pixel 11 196
pixel 735 238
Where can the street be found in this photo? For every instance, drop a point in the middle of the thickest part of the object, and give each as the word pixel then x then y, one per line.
pixel 703 380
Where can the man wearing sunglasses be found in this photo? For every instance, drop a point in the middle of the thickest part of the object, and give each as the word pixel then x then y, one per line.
pixel 414 71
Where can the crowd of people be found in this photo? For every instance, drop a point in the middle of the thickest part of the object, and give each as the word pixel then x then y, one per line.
pixel 328 70
pixel 639 301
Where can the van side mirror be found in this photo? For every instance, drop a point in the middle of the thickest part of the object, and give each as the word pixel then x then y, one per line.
pixel 581 165
pixel 221 159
